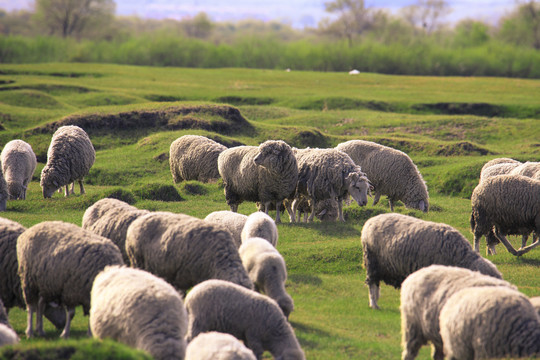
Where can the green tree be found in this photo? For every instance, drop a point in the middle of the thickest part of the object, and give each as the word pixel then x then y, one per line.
pixel 470 32
pixel 72 17
pixel 353 18
pixel 199 26
pixel 426 14
pixel 522 26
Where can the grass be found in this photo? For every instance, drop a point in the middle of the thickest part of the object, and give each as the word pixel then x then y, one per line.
pixel 326 279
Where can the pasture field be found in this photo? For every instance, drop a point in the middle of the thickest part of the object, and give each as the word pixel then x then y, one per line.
pixel 449 126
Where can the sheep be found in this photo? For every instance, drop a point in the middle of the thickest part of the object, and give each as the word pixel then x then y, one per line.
pixel 499 161
pixel 530 169
pixel 3 192
pixel 58 262
pixel 214 345
pixel 394 246
pixel 423 295
pixel 267 173
pixel 489 322
pixel 10 284
pixel 232 221
pixel 498 169
pixel 194 157
pixel 217 305
pixel 184 250
pixel 392 173
pixel 325 210
pixel 18 165
pixel 536 303
pixel 69 159
pixel 140 310
pixel 503 205
pixel 111 218
pixel 7 335
pixel 267 271
pixel 329 174
pixel 259 224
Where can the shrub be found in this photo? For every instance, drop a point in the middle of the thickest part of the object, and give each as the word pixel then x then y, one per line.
pixel 159 192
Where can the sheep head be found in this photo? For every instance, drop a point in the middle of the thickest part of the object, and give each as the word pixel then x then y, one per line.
pixel 15 190
pixel 358 187
pixel 271 154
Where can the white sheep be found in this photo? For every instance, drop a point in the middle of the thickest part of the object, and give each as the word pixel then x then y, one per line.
pixel 498 169
pixel 232 221
pixel 194 157
pixel 111 218
pixel 217 305
pixel 184 250
pixel 488 323
pixel 259 224
pixel 8 336
pixel 506 205
pixel 18 165
pixel 140 310
pixel 423 295
pixel 392 173
pixel 58 262
pixel 530 169
pixel 267 270
pixel 499 161
pixel 267 173
pixel 3 192
pixel 325 210
pixel 69 159
pixel 329 174
pixel 214 345
pixel 394 246
pixel 10 284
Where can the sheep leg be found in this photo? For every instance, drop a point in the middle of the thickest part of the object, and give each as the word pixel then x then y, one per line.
pixel 412 341
pixel 505 242
pixel 72 191
pixel 292 214
pixel 528 248
pixel 391 203
pixel 69 316
pixel 29 321
pixel 81 186
pixel 524 239
pixel 437 352
pixel 374 293
pixel 39 317
pixel 312 214
pixel 66 191
pixel 340 211
pixel 278 218
pixel 376 198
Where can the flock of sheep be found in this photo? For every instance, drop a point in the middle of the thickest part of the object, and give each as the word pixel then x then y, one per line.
pixel 130 269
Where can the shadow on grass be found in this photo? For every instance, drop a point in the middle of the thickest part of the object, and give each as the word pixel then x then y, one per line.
pixel 329 228
pixel 305 279
pixel 302 329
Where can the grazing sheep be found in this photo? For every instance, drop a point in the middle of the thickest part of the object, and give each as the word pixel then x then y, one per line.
pixel 7 335
pixel 488 323
pixel 259 224
pixel 529 169
pixel 111 218
pixel 395 246
pixel 140 310
pixel 498 169
pixel 217 346
pixel 267 270
pixel 232 221
pixel 69 159
pixel 506 205
pixel 184 250
pixel 329 174
pixel 267 173
pixel 58 263
pixel 217 305
pixel 423 295
pixel 392 173
pixel 499 161
pixel 325 210
pixel 194 157
pixel 18 165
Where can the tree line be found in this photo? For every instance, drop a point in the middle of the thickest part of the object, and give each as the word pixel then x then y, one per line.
pixel 414 41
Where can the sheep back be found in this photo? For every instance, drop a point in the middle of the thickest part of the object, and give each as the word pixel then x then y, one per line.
pixel 253 318
pixel 111 218
pixel 529 169
pixel 194 157
pixel 499 161
pixel 488 323
pixel 215 345
pixel 69 158
pixel 76 256
pixel 498 169
pixel 184 250
pixel 259 224
pixel 140 310
pixel 234 222
pixel 18 165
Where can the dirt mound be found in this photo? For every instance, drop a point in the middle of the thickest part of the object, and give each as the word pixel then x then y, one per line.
pixel 462 148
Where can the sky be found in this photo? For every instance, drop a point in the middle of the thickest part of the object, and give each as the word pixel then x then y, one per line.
pixel 298 13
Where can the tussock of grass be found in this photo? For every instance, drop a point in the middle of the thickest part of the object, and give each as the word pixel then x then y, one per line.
pixel 159 192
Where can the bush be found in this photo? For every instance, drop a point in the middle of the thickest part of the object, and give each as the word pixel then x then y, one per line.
pixel 121 194
pixel 159 192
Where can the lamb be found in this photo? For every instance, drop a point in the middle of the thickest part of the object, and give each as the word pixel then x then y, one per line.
pixel 503 205
pixel 184 250
pixel 325 210
pixel 69 159
pixel 329 174
pixel 58 262
pixel 10 284
pixel 214 345
pixel 489 322
pixel 423 294
pixel 140 310
pixel 394 246
pixel 267 271
pixel 392 173
pixel 259 224
pixel 498 169
pixel 217 305
pixel 234 222
pixel 267 173
pixel 18 165
pixel 530 169
pixel 194 157
pixel 7 335
pixel 111 218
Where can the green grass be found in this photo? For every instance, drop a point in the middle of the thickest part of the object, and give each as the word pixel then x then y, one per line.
pixel 326 279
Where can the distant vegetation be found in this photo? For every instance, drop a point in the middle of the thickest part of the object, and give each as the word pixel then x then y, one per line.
pixel 415 42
